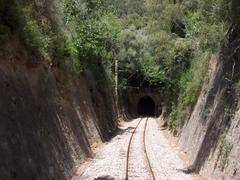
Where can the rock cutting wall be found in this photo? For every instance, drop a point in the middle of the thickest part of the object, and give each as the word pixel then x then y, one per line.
pixel 49 122
pixel 211 135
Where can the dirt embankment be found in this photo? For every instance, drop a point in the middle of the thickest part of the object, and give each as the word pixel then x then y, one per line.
pixel 49 122
pixel 211 135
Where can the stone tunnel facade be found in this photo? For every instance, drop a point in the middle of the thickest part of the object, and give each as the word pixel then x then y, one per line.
pixel 142 102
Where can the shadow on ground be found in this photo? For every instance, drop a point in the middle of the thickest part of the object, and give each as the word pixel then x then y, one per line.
pixel 122 131
pixel 104 178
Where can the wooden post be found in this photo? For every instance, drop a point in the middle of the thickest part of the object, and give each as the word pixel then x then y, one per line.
pixel 116 86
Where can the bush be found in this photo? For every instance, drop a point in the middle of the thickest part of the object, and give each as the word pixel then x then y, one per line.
pixel 30 32
pixel 190 87
pixel 237 89
pixel 67 53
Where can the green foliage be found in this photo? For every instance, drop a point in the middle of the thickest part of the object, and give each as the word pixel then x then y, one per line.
pixel 78 31
pixel 152 73
pixel 29 30
pixel 95 30
pixel 190 86
pixel 152 54
pixel 67 53
pixel 92 28
pixel 34 39
pixel 192 79
pixel 237 88
pixel 159 44
pixel 198 29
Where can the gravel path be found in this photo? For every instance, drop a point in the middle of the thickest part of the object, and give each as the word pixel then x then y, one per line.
pixel 110 162
pixel 164 160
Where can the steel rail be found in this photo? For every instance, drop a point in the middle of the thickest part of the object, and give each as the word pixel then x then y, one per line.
pixel 145 150
pixel 129 146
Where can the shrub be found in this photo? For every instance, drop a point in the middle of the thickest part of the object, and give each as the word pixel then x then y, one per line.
pixel 30 31
pixel 190 85
pixel 237 89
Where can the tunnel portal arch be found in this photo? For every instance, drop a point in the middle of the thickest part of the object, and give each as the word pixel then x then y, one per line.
pixel 146 106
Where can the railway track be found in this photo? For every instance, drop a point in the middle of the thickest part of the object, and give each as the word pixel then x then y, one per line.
pixel 147 163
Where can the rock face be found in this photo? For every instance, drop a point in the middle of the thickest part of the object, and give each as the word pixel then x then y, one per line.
pixel 49 122
pixel 211 135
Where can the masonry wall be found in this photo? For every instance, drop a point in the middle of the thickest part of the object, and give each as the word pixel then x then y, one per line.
pixel 132 96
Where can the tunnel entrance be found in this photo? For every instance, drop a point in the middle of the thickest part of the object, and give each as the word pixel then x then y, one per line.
pixel 146 106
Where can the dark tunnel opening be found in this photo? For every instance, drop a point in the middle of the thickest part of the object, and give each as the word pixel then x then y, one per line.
pixel 146 107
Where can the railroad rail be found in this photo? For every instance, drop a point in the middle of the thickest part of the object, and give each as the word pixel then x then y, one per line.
pixel 145 150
